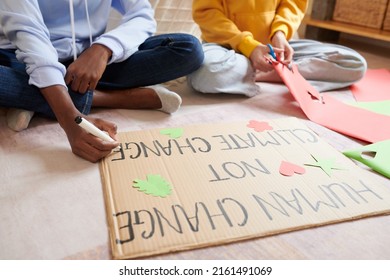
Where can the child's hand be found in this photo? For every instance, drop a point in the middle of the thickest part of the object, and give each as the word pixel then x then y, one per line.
pixel 279 41
pixel 85 72
pixel 87 145
pixel 260 58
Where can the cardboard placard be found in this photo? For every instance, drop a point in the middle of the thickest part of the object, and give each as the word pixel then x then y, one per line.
pixel 176 189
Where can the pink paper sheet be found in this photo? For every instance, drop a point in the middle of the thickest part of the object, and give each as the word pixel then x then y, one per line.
pixel 333 114
pixel 375 86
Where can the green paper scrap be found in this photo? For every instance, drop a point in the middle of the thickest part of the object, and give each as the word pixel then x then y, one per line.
pixel 173 133
pixel 154 185
pixel 380 107
pixel 380 159
pixel 326 164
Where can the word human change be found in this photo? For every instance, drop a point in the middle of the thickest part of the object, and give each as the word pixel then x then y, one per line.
pixel 231 213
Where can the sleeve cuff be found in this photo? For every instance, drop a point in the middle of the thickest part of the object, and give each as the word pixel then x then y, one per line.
pixel 47 76
pixel 118 53
pixel 281 27
pixel 247 45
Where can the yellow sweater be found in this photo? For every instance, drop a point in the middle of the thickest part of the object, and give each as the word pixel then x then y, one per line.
pixel 244 24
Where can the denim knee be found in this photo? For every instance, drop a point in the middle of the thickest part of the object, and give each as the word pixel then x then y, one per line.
pixel 189 48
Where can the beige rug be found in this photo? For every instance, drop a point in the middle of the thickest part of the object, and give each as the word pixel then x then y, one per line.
pixel 52 204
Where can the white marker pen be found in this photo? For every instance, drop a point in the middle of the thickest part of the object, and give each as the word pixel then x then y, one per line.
pixel 89 127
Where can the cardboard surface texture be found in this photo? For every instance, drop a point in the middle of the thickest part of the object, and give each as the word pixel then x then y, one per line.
pixel 212 184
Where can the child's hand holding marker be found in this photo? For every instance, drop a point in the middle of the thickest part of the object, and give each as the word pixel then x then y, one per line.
pixel 89 127
pixel 99 138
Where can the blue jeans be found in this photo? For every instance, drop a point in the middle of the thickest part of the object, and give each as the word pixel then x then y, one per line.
pixel 159 59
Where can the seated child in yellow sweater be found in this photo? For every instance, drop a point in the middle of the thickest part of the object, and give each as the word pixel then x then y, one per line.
pixel 236 34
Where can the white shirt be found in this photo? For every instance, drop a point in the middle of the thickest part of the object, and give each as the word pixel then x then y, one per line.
pixel 41 33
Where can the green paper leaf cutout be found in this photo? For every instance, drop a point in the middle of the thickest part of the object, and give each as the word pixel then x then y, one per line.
pixel 173 133
pixel 376 156
pixel 380 107
pixel 326 164
pixel 154 185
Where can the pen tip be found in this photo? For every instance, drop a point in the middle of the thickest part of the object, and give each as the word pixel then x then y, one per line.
pixel 77 119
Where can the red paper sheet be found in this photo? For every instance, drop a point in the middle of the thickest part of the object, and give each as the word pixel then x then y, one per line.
pixel 334 114
pixel 375 86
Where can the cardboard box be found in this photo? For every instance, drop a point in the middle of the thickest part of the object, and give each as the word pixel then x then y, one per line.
pixel 386 22
pixel 322 10
pixel 361 12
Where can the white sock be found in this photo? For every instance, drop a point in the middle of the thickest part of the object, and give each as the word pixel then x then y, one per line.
pixel 18 119
pixel 170 100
